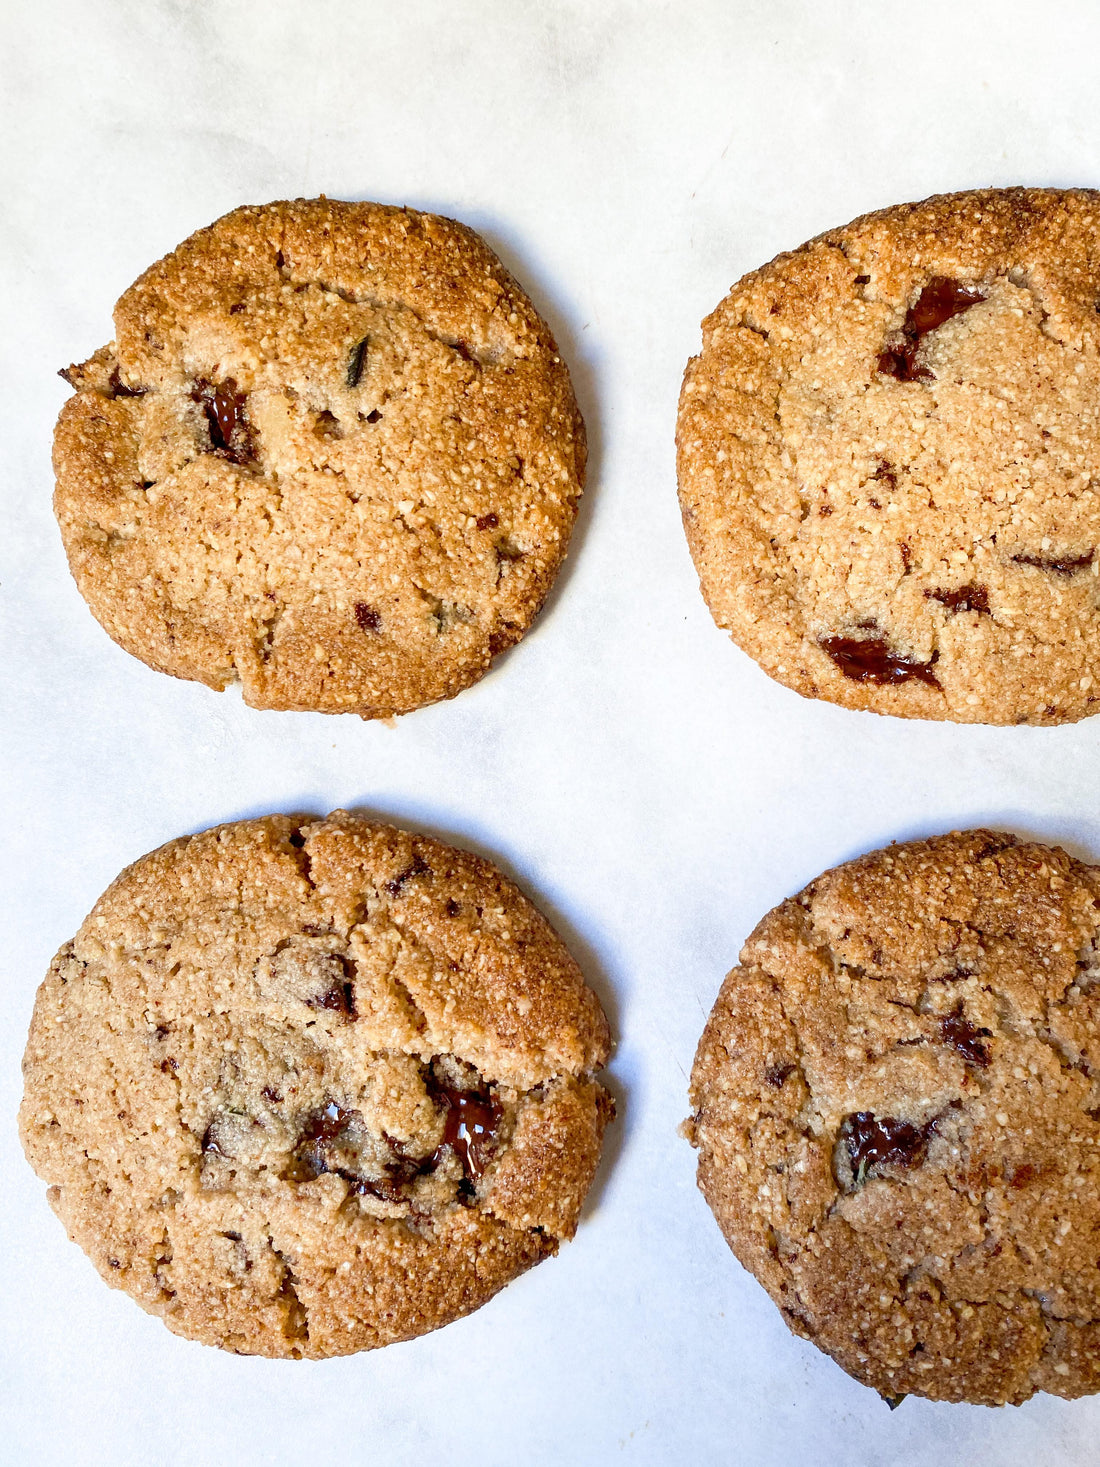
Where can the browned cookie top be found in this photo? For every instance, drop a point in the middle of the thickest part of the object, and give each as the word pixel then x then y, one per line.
pixel 306 1088
pixel 332 453
pixel 897 1112
pixel 889 460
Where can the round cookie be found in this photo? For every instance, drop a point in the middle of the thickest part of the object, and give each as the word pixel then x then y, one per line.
pixel 303 1089
pixel 897 1113
pixel 332 454
pixel 889 460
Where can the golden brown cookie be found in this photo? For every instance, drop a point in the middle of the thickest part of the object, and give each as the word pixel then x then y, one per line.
pixel 897 1112
pixel 307 1088
pixel 889 460
pixel 332 454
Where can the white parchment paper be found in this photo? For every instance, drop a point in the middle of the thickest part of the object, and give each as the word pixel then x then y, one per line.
pixel 638 775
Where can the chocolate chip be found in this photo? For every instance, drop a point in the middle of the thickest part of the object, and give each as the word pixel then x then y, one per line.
pixel 487 521
pixel 875 1141
pixel 1063 566
pixel 329 1144
pixel 119 388
pixel 963 598
pixel 393 1184
pixel 885 473
pixel 321 1130
pixel 340 998
pixel 367 617
pixel 419 867
pixel 237 309
pixel 959 1034
pixel 231 434
pixel 168 1066
pixel 453 908
pixel 469 1129
pixel 900 362
pixel 374 416
pixel 777 1074
pixel 906 555
pixel 355 365
pixel 862 280
pixel 209 1141
pixel 870 660
pixel 940 300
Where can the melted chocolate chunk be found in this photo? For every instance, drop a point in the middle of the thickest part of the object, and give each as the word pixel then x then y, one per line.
pixel 870 660
pixel 374 416
pixel 340 998
pixel 962 1036
pixel 393 1185
pixel 209 1142
pixel 355 365
pixel 231 435
pixel 963 598
pixel 777 1074
pixel 862 280
pixel 1066 566
pixel 319 1135
pixel 367 617
pixel 940 300
pixel 470 1127
pixel 327 1142
pixel 119 388
pixel 875 1141
pixel 487 521
pixel 419 867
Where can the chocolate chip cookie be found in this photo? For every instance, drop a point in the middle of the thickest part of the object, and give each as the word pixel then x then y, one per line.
pixel 897 1112
pixel 302 1089
pixel 889 460
pixel 333 455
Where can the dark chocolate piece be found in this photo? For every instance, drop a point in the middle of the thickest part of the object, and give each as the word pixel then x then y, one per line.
pixel 1062 566
pixel 870 660
pixel 940 300
pixel 963 598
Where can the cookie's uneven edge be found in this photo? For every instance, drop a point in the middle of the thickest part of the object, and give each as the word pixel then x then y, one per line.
pixel 729 549
pixel 526 1020
pixel 417 267
pixel 838 990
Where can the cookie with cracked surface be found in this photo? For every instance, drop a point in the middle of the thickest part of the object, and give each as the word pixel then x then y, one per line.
pixel 897 1112
pixel 889 460
pixel 302 1089
pixel 332 454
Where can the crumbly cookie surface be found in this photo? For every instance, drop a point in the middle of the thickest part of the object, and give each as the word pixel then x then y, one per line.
pixel 306 1089
pixel 897 1112
pixel 889 460
pixel 332 454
